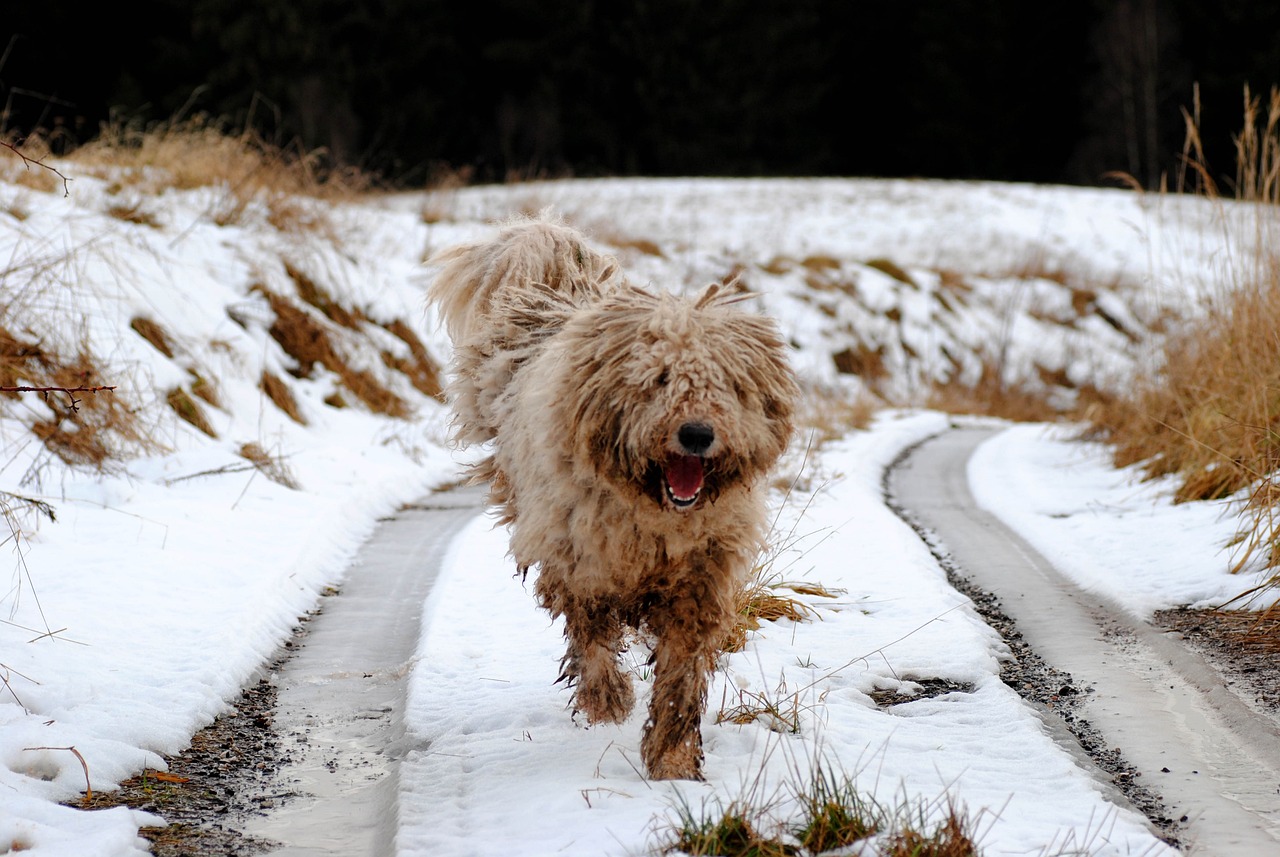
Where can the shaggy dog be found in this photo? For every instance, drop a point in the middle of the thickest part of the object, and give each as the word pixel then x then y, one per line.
pixel 630 435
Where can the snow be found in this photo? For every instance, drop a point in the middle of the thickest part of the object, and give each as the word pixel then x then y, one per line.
pixel 171 576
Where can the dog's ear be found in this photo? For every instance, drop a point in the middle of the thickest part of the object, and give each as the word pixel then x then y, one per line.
pixel 723 294
pixel 708 296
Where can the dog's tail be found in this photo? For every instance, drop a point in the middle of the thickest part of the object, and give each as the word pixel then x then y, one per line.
pixel 530 255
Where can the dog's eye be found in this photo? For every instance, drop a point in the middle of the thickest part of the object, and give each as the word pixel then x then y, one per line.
pixel 662 379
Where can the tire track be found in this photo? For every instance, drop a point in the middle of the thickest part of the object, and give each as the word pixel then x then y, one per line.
pixel 1155 721
pixel 341 696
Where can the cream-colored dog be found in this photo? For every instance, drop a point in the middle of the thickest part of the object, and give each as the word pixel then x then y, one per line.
pixel 631 434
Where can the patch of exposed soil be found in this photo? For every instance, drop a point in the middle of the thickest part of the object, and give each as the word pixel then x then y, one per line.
pixel 1244 647
pixel 225 776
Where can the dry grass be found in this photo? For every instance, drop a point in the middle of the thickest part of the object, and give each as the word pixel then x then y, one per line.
pixel 308 337
pixel 769 596
pixel 833 817
pixel 271 466
pixel 1209 416
pixel 153 333
pixel 730 832
pixel 190 410
pixel 828 415
pixel 422 371
pixel 951 838
pixel 277 390
pixel 200 152
pixel 992 396
pixel 80 428
pixel 287 187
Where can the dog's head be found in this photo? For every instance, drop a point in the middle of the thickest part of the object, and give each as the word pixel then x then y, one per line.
pixel 677 399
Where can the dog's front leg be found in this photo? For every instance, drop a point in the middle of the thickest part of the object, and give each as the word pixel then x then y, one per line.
pixel 684 657
pixel 602 691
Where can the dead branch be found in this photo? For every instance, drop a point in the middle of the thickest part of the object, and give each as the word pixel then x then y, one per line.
pixel 66 187
pixel 70 391
pixel 88 790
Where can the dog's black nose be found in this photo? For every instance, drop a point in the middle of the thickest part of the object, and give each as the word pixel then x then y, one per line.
pixel 696 438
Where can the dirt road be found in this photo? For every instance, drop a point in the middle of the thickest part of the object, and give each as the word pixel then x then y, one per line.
pixel 1148 717
pixel 1152 719
pixel 341 697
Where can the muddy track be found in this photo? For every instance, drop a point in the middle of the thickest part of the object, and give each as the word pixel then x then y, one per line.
pixel 306 762
pixel 340 699
pixel 1152 718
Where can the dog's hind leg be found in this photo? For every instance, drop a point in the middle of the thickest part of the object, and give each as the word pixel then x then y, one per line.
pixel 601 690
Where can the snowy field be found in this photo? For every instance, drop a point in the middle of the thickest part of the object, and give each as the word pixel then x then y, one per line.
pixel 141 596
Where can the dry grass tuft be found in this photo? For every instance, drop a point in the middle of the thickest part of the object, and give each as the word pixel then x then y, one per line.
pixel 281 396
pixel 992 396
pixel 422 371
pixel 768 598
pixel 271 466
pixel 833 818
pixel 892 269
pixel 80 428
pixel 200 152
pixel 862 361
pixel 951 838
pixel 317 296
pixel 153 333
pixel 778 712
pixel 763 599
pixel 835 814
pixel 134 212
pixel 730 832
pixel 308 337
pixel 830 415
pixel 204 389
pixel 1209 415
pixel 189 409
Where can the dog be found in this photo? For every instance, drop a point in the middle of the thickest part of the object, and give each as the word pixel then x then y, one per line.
pixel 631 433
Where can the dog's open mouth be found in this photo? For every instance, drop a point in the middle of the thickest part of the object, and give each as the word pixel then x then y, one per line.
pixel 683 478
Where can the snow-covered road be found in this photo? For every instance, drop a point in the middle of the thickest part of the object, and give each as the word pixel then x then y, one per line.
pixel 1160 712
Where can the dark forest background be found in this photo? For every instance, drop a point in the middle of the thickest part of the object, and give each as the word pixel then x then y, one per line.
pixel 991 89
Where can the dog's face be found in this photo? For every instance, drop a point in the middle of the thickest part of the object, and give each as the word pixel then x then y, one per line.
pixel 675 399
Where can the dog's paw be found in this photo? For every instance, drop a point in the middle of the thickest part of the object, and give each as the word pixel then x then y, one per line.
pixel 604 699
pixel 675 766
pixel 679 760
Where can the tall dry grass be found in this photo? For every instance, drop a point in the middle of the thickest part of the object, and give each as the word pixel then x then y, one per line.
pixel 1210 414
pixel 198 151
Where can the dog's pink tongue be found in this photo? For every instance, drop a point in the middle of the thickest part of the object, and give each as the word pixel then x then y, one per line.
pixel 684 475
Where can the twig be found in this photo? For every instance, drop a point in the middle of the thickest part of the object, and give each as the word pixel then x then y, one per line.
pixel 4 679
pixel 66 190
pixel 43 506
pixel 88 790
pixel 75 403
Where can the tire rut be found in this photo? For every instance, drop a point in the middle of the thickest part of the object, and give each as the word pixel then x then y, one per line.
pixel 1156 724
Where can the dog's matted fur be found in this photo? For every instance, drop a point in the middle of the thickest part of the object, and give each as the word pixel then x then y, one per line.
pixel 631 434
